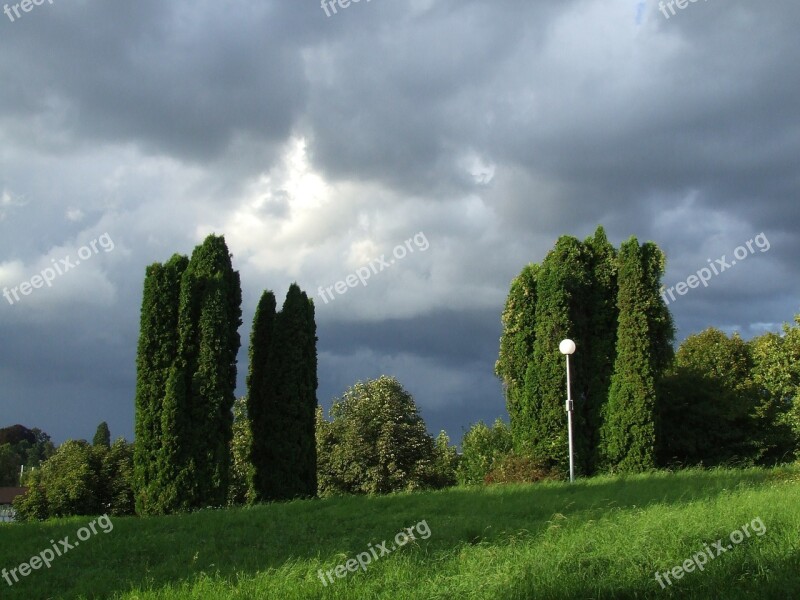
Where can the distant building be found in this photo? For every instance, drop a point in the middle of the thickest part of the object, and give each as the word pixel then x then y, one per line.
pixel 7 495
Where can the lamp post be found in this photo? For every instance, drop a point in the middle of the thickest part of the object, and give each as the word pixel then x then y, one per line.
pixel 567 347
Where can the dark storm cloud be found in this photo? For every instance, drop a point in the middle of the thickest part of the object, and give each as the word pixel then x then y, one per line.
pixel 181 78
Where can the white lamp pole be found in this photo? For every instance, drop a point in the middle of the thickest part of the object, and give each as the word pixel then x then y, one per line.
pixel 567 347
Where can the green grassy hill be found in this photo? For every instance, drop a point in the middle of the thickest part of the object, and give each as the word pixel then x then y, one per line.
pixel 599 538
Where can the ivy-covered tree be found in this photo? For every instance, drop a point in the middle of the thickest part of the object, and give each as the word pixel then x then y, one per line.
pixel 598 354
pixel 516 349
pixel 196 418
pixel 563 284
pixel 157 349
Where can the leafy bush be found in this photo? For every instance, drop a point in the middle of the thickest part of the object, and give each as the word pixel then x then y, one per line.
pixel 481 448
pixel 514 468
pixel 376 442
pixel 80 479
pixel 445 462
pixel 240 488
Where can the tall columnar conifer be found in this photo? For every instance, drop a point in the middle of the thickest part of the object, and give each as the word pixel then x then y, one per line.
pixel 284 383
pixel 261 408
pixel 196 419
pixel 628 434
pixel 600 348
pixel 516 348
pixel 562 286
pixel 158 345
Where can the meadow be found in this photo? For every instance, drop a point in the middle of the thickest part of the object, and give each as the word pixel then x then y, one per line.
pixel 604 537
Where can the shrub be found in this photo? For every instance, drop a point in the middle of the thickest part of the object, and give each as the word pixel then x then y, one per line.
pixel 515 468
pixel 481 448
pixel 376 443
pixel 80 479
pixel 445 463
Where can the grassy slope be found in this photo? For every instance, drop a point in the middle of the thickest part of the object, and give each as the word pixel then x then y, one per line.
pixel 600 538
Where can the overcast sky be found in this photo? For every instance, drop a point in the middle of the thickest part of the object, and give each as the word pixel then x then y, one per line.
pixel 318 143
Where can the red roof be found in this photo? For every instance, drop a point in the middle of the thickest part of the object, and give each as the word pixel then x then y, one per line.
pixel 7 494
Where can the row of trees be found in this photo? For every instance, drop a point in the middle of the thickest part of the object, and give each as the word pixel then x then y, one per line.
pixel 722 400
pixel 186 377
pixel 638 405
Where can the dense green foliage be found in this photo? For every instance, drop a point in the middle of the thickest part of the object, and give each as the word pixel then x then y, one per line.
pixel 776 378
pixel 599 538
pixel 240 490
pixel 628 432
pixel 445 462
pixel 282 398
pixel 102 437
pixel 22 447
pixel 516 348
pixel 9 466
pixel 598 354
pixel 719 405
pixel 481 448
pixel 196 415
pixel 261 402
pixel 375 443
pixel 563 284
pixel 575 293
pixel 15 434
pixel 80 479
pixel 157 349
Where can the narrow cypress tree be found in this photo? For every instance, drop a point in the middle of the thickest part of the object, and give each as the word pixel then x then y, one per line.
pixel 562 286
pixel 599 353
pixel 261 394
pixel 102 436
pixel 516 348
pixel 158 344
pixel 310 402
pixel 196 418
pixel 628 437
pixel 659 320
pixel 290 470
